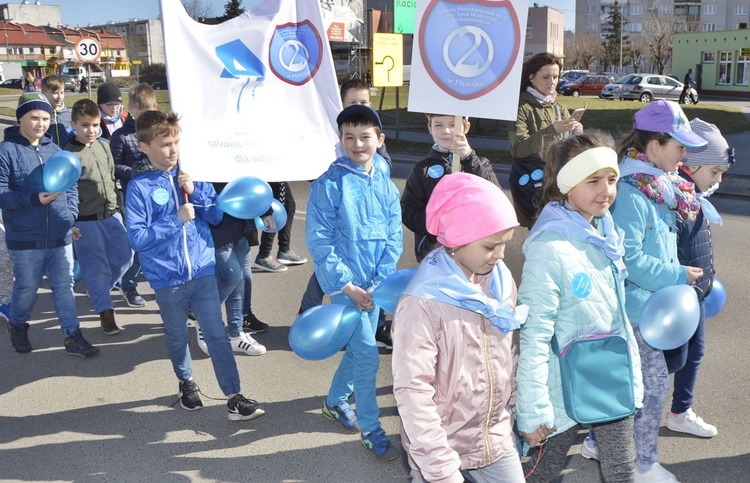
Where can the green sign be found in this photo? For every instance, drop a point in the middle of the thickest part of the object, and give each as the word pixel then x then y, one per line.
pixel 404 15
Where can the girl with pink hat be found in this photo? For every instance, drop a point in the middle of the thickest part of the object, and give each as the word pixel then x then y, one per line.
pixel 453 366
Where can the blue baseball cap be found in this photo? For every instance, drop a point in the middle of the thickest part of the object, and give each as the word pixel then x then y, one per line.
pixel 359 109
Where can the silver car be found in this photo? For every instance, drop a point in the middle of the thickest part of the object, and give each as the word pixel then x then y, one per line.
pixel 612 91
pixel 645 87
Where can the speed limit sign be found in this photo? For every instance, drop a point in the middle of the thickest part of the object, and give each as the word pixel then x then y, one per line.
pixel 87 49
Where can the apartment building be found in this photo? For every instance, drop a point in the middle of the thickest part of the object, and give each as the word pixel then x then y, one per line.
pixel 545 31
pixel 143 38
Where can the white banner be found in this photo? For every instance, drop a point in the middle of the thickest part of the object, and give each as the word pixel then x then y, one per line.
pixel 467 57
pixel 257 95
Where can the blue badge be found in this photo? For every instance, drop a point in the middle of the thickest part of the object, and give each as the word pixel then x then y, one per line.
pixel 523 180
pixel 295 52
pixel 537 174
pixel 468 48
pixel 581 285
pixel 436 171
pixel 160 196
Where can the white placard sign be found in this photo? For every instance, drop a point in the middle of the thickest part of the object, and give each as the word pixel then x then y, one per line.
pixel 467 57
pixel 257 95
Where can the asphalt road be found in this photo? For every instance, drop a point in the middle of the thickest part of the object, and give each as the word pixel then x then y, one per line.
pixel 111 418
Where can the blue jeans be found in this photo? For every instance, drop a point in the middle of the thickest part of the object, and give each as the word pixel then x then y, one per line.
pixel 313 295
pixel 104 255
pixel 247 272
pixel 230 260
pixel 684 362
pixel 507 469
pixel 130 278
pixel 202 296
pixel 358 370
pixel 28 267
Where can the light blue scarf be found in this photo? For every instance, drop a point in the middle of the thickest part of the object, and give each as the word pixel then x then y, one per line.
pixel 570 224
pixel 440 278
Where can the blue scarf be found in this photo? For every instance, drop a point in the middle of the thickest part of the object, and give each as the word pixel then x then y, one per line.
pixel 440 278
pixel 111 119
pixel 560 219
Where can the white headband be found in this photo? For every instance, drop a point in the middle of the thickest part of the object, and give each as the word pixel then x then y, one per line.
pixel 584 165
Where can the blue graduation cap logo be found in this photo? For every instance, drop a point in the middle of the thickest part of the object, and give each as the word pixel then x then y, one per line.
pixel 239 61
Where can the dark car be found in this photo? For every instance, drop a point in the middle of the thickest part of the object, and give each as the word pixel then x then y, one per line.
pixel 12 84
pixel 70 82
pixel 590 85
pixel 160 85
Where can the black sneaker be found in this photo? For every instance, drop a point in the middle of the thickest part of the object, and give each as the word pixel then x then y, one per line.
pixel 76 345
pixel 252 325
pixel 383 337
pixel 189 397
pixel 19 337
pixel 132 297
pixel 243 409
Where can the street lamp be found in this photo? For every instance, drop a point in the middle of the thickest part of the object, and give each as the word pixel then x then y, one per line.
pixel 5 31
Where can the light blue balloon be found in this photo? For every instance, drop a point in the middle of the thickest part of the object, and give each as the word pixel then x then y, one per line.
pixel 381 165
pixel 245 198
pixel 390 290
pixel 715 300
pixel 279 217
pixel 670 317
pixel 61 171
pixel 322 331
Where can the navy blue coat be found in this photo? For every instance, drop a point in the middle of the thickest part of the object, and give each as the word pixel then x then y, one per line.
pixel 695 248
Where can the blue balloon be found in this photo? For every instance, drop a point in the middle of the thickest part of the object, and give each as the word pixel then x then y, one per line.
pixel 390 290
pixel 279 218
pixel 245 198
pixel 715 300
pixel 61 171
pixel 322 331
pixel 77 272
pixel 381 165
pixel 670 317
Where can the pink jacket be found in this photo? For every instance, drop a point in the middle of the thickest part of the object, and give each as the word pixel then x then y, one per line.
pixel 454 382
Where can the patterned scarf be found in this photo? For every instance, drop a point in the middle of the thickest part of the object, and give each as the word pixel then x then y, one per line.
pixel 664 188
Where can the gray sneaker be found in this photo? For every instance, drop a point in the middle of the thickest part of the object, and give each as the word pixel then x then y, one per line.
pixel 290 258
pixel 269 264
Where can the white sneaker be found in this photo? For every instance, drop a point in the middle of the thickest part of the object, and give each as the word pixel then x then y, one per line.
pixel 691 423
pixel 247 345
pixel 202 341
pixel 657 474
pixel 589 449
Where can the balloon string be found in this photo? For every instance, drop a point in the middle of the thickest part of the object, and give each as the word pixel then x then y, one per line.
pixel 205 206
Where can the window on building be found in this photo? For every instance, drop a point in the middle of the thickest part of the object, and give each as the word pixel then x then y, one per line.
pixel 665 9
pixel 709 27
pixel 529 31
pixel 725 67
pixel 591 10
pixel 636 10
pixel 709 57
pixel 710 9
pixel 740 9
pixel 591 27
pixel 743 67
pixel 636 27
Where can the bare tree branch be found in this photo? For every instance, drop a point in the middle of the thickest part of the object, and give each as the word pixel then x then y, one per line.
pixel 658 30
pixel 197 9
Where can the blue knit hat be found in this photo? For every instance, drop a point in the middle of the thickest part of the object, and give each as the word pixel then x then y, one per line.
pixel 31 101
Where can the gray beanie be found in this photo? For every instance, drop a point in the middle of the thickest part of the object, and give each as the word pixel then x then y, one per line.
pixel 716 153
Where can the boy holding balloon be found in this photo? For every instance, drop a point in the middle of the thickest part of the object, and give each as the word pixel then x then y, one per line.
pixel 704 167
pixel 38 219
pixel 167 224
pixel 101 244
pixel 650 198
pixel 354 236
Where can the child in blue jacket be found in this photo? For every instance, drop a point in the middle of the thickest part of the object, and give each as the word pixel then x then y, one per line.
pixel 354 236
pixel 173 240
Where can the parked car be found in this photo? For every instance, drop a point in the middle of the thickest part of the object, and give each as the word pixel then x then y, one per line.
pixel 612 91
pixel 590 85
pixel 646 87
pixel 70 81
pixel 571 78
pixel 12 84
pixel 160 85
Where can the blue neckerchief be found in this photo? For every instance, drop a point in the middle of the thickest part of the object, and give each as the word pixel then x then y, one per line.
pixel 440 278
pixel 570 224
pixel 110 119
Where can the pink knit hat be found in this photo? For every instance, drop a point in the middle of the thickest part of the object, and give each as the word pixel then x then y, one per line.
pixel 465 208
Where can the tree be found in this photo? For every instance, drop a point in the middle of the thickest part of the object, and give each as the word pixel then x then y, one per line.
pixel 658 30
pixel 197 9
pixel 586 49
pixel 615 44
pixel 232 9
pixel 637 53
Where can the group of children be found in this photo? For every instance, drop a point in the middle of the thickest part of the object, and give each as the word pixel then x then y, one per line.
pixel 591 263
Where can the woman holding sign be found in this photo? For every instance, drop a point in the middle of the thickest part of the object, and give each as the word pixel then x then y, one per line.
pixel 539 121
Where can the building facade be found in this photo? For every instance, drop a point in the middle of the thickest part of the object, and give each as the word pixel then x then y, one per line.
pixel 545 32
pixel 720 61
pixel 143 39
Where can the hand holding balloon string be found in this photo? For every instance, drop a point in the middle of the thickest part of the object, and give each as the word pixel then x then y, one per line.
pixel 359 297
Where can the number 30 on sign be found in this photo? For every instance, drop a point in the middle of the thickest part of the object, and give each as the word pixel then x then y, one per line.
pixel 87 49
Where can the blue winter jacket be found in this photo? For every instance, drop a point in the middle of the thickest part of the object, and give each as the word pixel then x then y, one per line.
pixel 556 308
pixel 171 252
pixel 29 225
pixel 650 246
pixel 125 151
pixel 353 227
pixel 695 248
